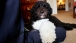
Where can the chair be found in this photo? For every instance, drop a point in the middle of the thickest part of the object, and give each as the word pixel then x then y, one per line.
pixel 74 12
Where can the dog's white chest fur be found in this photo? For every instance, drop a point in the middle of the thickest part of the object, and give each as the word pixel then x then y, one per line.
pixel 46 29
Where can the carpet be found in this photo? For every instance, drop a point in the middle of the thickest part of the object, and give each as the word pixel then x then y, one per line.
pixel 67 17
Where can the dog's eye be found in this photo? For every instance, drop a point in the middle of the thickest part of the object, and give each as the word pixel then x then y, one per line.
pixel 38 6
pixel 44 5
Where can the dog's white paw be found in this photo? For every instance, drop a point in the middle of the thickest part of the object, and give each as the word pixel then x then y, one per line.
pixel 48 38
pixel 47 41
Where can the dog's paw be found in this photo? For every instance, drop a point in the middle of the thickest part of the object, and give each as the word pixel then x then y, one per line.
pixel 48 39
pixel 68 28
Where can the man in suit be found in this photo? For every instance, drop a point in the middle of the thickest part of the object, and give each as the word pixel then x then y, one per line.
pixel 11 23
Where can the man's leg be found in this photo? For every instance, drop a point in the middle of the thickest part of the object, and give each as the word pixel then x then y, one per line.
pixel 34 37
pixel 60 34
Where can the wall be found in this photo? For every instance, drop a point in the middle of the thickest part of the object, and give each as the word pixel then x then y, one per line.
pixel 71 2
pixel 53 4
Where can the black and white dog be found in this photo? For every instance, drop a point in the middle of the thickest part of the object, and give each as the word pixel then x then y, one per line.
pixel 42 20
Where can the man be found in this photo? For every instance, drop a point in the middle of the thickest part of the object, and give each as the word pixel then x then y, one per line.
pixel 11 23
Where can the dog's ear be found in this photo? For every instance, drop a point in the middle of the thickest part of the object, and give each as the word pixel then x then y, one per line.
pixel 34 8
pixel 33 13
pixel 49 9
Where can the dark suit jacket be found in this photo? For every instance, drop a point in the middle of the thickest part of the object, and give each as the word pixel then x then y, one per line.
pixel 11 23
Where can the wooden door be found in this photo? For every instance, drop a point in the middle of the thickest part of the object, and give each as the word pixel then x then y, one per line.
pixel 26 5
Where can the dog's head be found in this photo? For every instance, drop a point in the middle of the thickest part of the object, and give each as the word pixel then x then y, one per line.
pixel 41 10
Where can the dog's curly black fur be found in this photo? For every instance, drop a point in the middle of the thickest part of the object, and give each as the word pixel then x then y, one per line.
pixel 44 9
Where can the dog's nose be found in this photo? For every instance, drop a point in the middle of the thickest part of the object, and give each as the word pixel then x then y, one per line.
pixel 42 11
